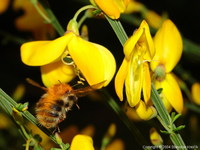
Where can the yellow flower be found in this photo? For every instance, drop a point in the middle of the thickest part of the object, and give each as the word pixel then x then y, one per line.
pixel 32 23
pixel 82 142
pixel 144 111
pixel 4 5
pixel 168 44
pixel 134 71
pixel 116 144
pixel 155 137
pixel 134 6
pixel 94 61
pixel 112 8
pixel 153 19
pixel 196 93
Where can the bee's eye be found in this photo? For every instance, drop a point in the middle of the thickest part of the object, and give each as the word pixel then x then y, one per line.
pixel 72 97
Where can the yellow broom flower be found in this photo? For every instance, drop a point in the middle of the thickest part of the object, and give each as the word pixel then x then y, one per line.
pixel 195 93
pixel 134 72
pixel 168 44
pixel 112 8
pixel 95 62
pixel 82 142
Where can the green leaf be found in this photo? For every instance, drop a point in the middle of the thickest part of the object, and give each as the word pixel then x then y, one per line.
pixel 159 90
pixel 164 131
pixel 176 117
pixel 179 128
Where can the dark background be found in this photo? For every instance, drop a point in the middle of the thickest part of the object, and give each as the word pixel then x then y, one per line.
pixel 184 13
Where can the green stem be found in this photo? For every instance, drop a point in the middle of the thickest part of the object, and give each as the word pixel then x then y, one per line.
pixel 27 144
pixel 83 9
pixel 7 37
pixel 193 107
pixel 24 132
pixel 49 17
pixel 118 29
pixel 42 14
pixel 166 120
pixel 184 74
pixel 83 18
pixel 162 111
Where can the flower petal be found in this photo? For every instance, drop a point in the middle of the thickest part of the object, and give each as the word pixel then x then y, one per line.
pixel 95 62
pixel 155 137
pixel 134 6
pixel 133 83
pixel 120 78
pixel 196 93
pixel 172 92
pixel 146 83
pixel 165 101
pixel 145 112
pixel 4 5
pixel 116 144
pixel 109 8
pixel 169 46
pixel 82 142
pixel 153 19
pixel 40 53
pixel 112 8
pixel 57 72
pixel 140 40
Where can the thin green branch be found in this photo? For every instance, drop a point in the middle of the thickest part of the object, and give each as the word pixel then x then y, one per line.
pixel 42 14
pixel 162 111
pixel 81 10
pixel 118 29
pixel 48 16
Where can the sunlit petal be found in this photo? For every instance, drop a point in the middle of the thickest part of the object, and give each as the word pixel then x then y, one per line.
pixel 112 8
pixel 95 62
pixel 169 46
pixel 120 78
pixel 146 83
pixel 196 93
pixel 145 112
pixel 141 40
pixel 40 53
pixel 82 142
pixel 55 73
pixel 172 92
pixel 133 83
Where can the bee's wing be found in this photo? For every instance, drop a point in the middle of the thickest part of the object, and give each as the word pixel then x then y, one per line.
pixel 86 90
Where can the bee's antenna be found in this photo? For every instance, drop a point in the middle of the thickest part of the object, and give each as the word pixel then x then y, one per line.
pixel 30 81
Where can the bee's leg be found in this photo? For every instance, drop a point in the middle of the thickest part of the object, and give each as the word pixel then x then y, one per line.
pixel 77 106
pixel 57 129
